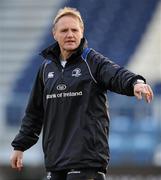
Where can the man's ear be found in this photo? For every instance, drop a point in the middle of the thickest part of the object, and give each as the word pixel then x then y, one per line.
pixel 82 33
pixel 55 38
pixel 54 34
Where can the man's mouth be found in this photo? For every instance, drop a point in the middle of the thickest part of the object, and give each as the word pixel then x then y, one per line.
pixel 70 41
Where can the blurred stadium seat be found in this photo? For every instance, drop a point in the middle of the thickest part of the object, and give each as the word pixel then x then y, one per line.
pixel 157 89
pixel 143 148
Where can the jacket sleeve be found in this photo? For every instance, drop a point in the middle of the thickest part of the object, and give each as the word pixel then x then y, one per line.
pixel 32 122
pixel 113 77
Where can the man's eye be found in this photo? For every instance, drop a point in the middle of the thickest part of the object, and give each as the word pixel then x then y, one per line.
pixel 64 30
pixel 74 30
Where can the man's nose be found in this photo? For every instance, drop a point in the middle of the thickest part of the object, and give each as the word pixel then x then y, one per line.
pixel 69 34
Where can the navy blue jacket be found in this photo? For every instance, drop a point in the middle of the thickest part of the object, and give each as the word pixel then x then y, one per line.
pixel 70 104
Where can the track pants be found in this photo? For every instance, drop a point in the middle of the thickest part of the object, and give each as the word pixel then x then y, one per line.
pixel 85 174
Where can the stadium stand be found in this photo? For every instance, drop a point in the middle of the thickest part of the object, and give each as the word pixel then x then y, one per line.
pixel 23 24
pixel 147 58
pixel 115 28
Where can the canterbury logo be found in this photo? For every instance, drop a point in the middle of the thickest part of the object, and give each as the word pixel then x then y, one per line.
pixel 50 74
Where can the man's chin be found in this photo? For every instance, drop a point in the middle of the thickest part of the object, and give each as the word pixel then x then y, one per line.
pixel 71 48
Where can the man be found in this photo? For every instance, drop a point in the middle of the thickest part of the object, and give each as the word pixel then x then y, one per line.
pixel 69 101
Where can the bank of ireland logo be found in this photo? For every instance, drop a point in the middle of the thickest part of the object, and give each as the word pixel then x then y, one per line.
pixel 61 87
pixel 76 72
pixel 50 74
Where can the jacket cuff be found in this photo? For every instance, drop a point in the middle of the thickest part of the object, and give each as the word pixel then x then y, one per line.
pixel 138 79
pixel 18 149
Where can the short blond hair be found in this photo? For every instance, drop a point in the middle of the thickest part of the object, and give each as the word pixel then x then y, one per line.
pixel 68 11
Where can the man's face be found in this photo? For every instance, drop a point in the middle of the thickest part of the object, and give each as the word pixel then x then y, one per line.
pixel 68 33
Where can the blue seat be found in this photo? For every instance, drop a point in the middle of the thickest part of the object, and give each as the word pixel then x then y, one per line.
pixel 121 124
pixel 148 125
pixel 120 148
pixel 143 146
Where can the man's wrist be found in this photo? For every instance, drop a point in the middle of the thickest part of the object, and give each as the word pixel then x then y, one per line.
pixel 139 81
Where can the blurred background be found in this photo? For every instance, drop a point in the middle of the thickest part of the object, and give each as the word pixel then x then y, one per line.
pixel 126 31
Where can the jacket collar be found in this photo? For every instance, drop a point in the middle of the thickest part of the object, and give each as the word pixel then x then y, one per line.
pixel 53 51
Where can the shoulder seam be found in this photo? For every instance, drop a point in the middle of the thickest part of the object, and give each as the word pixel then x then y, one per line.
pixel 44 67
pixel 84 56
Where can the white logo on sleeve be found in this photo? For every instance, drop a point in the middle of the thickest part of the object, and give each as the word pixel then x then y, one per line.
pixel 50 74
pixel 76 72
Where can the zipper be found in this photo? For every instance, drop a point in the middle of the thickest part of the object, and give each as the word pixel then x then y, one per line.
pixel 62 73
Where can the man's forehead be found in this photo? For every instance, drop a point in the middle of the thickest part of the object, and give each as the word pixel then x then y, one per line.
pixel 67 21
pixel 68 18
